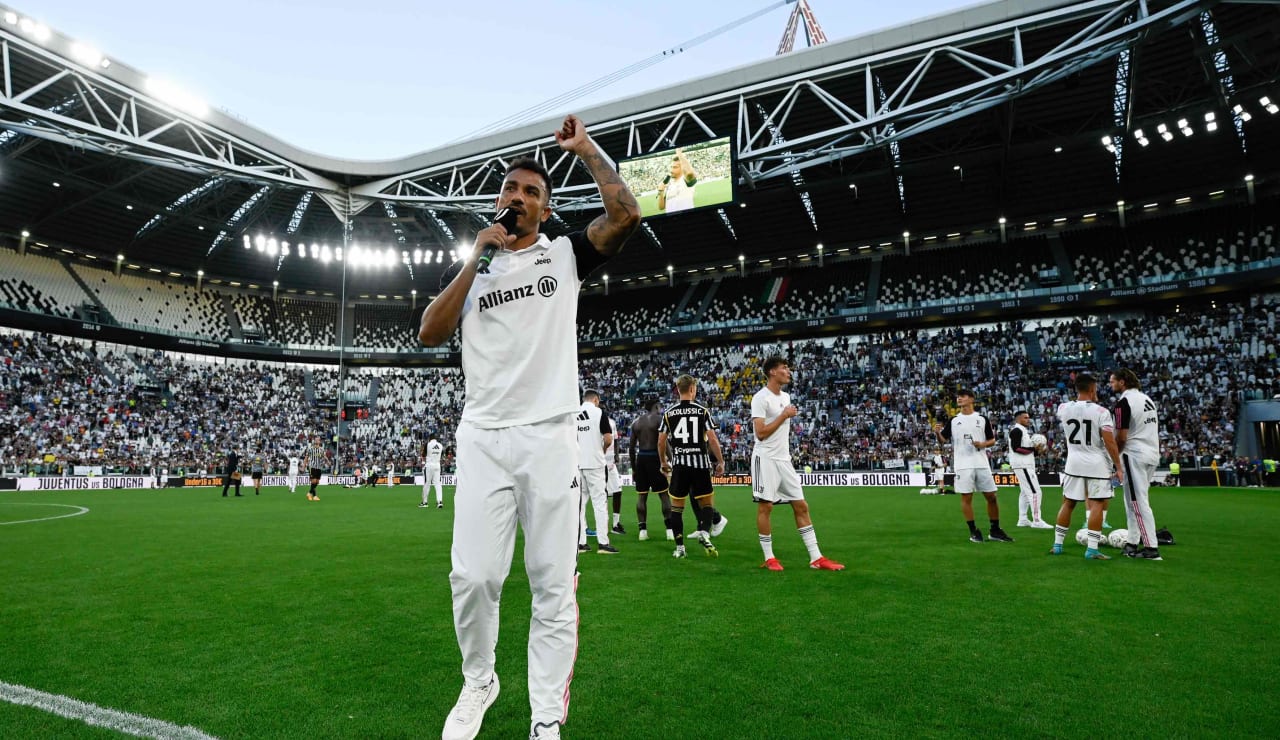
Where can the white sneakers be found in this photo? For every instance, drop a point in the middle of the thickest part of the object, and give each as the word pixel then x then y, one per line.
pixel 463 722
pixel 671 536
pixel 1024 522
pixel 718 527
pixel 644 535
pixel 547 731
pixel 1039 524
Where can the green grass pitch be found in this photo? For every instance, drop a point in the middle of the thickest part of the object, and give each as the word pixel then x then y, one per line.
pixel 275 617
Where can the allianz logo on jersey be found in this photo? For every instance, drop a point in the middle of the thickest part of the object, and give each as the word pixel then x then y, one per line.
pixel 546 287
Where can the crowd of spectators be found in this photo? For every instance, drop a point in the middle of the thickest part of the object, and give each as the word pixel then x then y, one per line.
pixel 866 401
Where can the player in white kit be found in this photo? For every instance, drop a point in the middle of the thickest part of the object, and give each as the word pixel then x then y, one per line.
pixel 1022 458
pixel 1092 455
pixel 773 477
pixel 431 453
pixel 1138 437
pixel 970 435
pixel 293 473
pixel 595 434
pixel 516 446
pixel 612 480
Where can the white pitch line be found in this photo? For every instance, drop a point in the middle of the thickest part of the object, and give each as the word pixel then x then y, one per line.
pixel 82 510
pixel 92 714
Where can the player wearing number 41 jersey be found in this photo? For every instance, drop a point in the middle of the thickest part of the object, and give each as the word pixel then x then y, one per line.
pixel 686 445
pixel 1138 437
pixel 1091 456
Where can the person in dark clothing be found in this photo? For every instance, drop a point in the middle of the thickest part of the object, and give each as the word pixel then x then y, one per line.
pixel 231 473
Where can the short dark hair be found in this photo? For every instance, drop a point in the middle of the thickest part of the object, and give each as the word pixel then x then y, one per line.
pixel 1128 377
pixel 589 394
pixel 773 362
pixel 534 166
pixel 1019 412
pixel 966 392
pixel 1085 382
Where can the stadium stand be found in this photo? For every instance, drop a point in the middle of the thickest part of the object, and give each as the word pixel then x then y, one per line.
pixel 162 306
pixel 945 273
pixel 863 399
pixel 39 284
pixel 385 326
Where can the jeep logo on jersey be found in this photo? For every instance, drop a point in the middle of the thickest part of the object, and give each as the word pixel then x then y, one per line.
pixel 498 297
pixel 547 286
pixel 542 261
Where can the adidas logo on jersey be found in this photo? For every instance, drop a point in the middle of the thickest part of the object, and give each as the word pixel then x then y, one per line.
pixel 499 297
pixel 574 484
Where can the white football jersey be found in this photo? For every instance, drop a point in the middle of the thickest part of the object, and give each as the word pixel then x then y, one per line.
pixel 1019 437
pixel 434 451
pixel 679 195
pixel 293 465
pixel 1082 425
pixel 519 335
pixel 1136 413
pixel 767 405
pixel 610 458
pixel 592 425
pixel 963 430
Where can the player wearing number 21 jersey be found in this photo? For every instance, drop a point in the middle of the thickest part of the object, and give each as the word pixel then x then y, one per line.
pixel 1091 457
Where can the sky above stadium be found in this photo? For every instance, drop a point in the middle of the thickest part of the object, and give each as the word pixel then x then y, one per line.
pixel 384 79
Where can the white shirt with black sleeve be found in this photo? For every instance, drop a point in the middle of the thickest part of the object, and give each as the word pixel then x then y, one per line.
pixel 519 332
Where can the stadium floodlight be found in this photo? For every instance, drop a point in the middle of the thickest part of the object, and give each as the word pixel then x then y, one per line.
pixel 337 254
pixel 417 256
pixel 173 95
pixel 1211 121
pixel 453 255
pixel 439 256
pixel 326 256
pixel 1185 127
pixel 275 283
pixel 26 234
pixel 248 243
pixel 1141 137
pixel 1165 133
pixel 284 249
pixel 199 273
pixel 119 258
pixel 273 247
pixel 315 251
pixel 86 55
pixel 1248 178
pixel 1241 113
pixel 260 242
pixel 1271 107
pixel 1003 220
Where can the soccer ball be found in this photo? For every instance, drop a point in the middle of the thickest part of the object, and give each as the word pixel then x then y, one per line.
pixel 1082 537
pixel 1117 538
pixel 1039 440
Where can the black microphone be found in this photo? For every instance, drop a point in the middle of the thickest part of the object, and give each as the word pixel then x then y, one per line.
pixel 507 218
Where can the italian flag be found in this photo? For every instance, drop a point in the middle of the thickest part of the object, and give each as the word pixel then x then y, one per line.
pixel 775 290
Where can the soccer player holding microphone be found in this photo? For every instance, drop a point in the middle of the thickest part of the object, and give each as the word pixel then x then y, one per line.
pixel 516 444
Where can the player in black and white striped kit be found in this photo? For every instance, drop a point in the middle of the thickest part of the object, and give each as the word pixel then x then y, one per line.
pixel 516 445
pixel 686 445
pixel 1138 436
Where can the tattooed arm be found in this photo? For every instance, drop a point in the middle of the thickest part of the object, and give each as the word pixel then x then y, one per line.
pixel 621 216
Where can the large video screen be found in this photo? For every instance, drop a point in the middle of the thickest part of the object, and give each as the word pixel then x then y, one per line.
pixel 681 179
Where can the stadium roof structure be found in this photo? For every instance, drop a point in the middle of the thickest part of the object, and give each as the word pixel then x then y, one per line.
pixel 932 128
